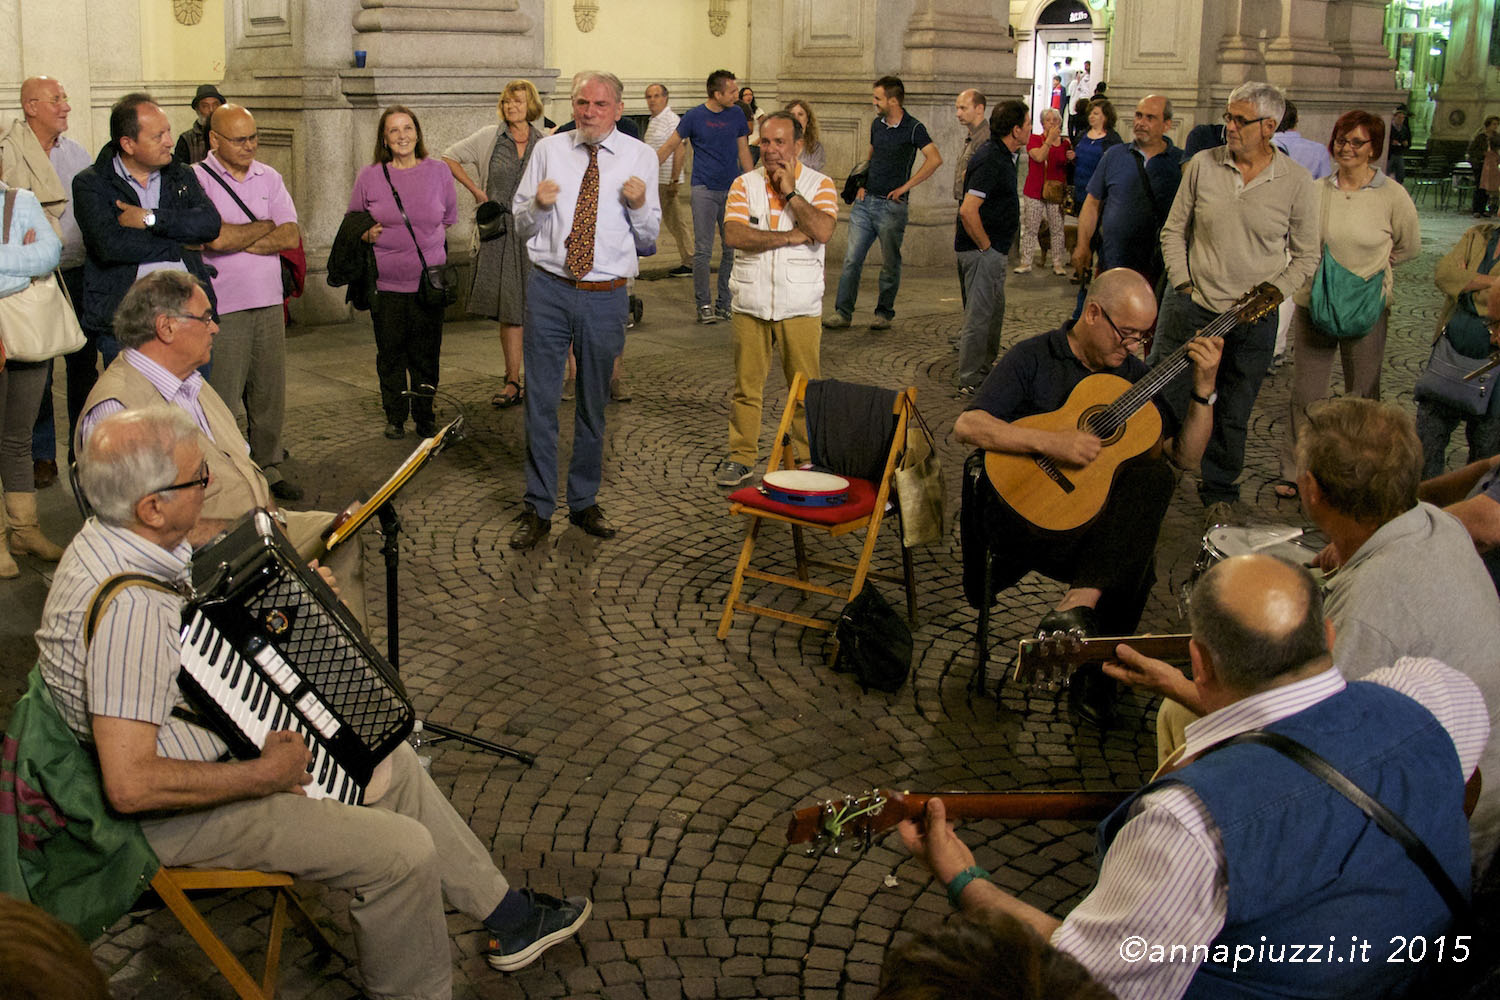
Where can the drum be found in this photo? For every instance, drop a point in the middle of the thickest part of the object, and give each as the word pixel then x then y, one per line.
pixel 805 488
pixel 1225 540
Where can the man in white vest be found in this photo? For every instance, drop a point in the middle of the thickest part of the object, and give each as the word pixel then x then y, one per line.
pixel 778 219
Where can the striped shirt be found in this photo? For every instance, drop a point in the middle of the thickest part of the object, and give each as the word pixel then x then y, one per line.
pixel 658 130
pixel 181 392
pixel 737 206
pixel 129 670
pixel 1164 877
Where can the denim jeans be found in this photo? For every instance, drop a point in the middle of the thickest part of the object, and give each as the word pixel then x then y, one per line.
pixel 708 218
pixel 1242 368
pixel 873 218
pixel 593 324
pixel 984 315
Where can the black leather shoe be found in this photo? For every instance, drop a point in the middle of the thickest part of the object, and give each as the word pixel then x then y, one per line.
pixel 1092 695
pixel 593 521
pixel 395 432
pixel 285 489
pixel 530 529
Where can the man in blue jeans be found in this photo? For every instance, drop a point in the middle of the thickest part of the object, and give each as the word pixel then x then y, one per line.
pixel 880 206
pixel 719 132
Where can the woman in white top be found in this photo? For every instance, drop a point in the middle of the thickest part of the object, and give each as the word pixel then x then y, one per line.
pixel 1369 224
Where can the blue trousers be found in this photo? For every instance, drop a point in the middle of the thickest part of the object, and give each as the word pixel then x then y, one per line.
pixel 873 218
pixel 559 316
pixel 1246 359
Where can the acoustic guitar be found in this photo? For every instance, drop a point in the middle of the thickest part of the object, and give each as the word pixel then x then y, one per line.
pixel 1048 661
pixel 1060 498
pixel 853 822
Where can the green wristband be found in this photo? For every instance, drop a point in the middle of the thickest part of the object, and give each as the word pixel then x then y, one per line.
pixel 961 882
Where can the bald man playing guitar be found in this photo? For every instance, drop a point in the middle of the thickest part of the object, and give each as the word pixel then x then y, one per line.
pixel 1076 484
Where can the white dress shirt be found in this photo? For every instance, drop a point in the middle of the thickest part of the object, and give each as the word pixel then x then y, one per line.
pixel 621 233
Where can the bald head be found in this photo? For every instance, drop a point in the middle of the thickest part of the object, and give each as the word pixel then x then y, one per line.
pixel 230 116
pixel 1259 617
pixel 44 105
pixel 1122 288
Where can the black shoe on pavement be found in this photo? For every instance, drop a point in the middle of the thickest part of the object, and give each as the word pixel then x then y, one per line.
pixel 552 921
pixel 680 271
pixel 530 529
pixel 395 431
pixel 285 489
pixel 593 521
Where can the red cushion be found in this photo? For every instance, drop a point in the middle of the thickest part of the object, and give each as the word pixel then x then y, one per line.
pixel 861 501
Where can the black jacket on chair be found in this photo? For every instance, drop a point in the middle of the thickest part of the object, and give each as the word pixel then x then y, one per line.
pixel 184 217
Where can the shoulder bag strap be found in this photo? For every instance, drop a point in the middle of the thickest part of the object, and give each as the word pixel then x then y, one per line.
pixel 225 185
pixel 1370 806
pixel 402 209
pixel 10 207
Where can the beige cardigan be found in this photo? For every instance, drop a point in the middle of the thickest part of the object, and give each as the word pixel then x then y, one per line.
pixel 1367 230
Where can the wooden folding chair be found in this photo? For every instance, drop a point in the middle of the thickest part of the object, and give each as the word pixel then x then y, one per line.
pixel 864 510
pixel 173 885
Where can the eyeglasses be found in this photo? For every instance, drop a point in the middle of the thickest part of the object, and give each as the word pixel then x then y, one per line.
pixel 1354 144
pixel 1239 122
pixel 1126 340
pixel 239 140
pixel 205 319
pixel 203 479
pixel 59 99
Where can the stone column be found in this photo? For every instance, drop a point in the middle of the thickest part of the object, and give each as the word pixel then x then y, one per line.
pixel 834 51
pixel 292 63
pixel 1471 85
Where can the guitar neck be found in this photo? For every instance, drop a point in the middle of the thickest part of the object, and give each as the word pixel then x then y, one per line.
pixel 1079 805
pixel 1158 647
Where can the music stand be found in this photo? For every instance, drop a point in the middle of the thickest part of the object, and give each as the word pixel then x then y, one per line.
pixel 382 507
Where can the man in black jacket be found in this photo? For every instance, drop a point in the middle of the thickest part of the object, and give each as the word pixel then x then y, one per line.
pixel 140 211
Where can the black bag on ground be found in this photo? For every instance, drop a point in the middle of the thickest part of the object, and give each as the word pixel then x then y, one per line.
pixel 874 642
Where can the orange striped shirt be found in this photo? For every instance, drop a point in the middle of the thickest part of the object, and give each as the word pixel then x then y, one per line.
pixel 737 207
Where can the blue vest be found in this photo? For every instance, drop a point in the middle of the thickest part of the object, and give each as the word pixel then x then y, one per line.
pixel 1305 866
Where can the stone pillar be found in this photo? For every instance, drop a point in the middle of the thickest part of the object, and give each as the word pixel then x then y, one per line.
pixel 1471 86
pixel 834 51
pixel 291 62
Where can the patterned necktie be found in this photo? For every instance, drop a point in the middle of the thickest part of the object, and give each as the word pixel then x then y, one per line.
pixel 580 242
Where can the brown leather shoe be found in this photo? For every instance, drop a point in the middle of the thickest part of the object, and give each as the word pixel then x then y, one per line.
pixel 593 521
pixel 530 529
pixel 44 473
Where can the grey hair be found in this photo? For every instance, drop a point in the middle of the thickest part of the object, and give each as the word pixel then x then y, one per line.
pixel 129 456
pixel 1053 112
pixel 160 293
pixel 590 75
pixel 1166 109
pixel 1267 98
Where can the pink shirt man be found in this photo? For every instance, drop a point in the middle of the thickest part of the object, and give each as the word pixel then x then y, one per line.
pixel 246 280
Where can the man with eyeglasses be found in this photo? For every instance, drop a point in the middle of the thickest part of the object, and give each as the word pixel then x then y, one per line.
pixel 167 329
pixel 402 855
pixel 1245 213
pixel 259 221
pixel 1107 564
pixel 36 155
pixel 140 211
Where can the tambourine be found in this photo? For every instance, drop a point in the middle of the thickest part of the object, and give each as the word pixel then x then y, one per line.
pixel 805 488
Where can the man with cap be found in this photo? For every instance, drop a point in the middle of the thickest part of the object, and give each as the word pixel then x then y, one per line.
pixel 192 145
pixel 1400 133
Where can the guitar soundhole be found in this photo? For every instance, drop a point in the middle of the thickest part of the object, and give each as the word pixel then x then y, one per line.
pixel 1097 421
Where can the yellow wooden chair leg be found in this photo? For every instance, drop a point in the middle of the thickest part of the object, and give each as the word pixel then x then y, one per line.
pixel 192 922
pixel 738 583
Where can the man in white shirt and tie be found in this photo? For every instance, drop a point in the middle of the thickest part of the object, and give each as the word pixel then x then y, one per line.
pixel 587 212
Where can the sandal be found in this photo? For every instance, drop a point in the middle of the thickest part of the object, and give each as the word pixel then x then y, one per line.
pixel 1285 489
pixel 503 400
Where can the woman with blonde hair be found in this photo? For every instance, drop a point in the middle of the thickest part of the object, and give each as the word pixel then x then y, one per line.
pixel 498 154
pixel 813 153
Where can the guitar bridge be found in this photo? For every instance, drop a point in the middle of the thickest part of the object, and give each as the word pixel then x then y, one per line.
pixel 1055 474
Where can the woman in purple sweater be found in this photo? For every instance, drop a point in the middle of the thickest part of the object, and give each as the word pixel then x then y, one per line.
pixel 408 335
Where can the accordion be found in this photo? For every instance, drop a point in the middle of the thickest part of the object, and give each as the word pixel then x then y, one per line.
pixel 266 645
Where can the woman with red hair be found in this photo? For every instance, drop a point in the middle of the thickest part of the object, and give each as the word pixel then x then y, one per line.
pixel 1368 224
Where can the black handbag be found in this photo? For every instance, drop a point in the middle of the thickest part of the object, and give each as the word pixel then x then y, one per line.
pixel 438 288
pixel 875 643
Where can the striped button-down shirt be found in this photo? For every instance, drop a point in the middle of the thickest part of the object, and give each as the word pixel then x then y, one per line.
pixel 129 670
pixel 181 392
pixel 1164 878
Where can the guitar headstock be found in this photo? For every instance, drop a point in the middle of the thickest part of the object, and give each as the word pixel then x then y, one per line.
pixel 1257 302
pixel 1048 661
pixel 849 823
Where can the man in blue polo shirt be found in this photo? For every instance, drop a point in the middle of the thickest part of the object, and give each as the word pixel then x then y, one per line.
pixel 880 206
pixel 719 132
pixel 1127 217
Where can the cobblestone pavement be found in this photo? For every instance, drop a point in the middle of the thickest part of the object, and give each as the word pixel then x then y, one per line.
pixel 667 761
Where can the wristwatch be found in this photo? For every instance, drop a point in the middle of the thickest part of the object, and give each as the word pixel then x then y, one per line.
pixel 149 219
pixel 793 193
pixel 1208 400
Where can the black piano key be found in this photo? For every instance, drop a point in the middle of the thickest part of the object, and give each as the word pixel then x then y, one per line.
pixel 323 773
pixel 346 788
pixel 239 667
pixel 216 656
